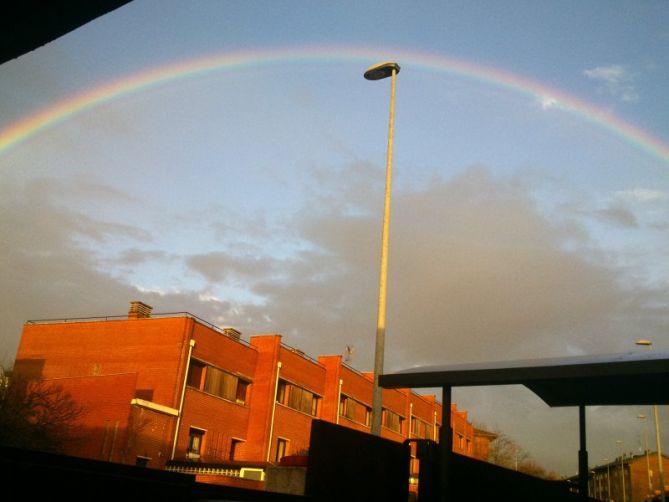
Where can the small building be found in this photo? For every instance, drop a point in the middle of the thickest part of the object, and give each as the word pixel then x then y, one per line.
pixel 175 392
pixel 634 475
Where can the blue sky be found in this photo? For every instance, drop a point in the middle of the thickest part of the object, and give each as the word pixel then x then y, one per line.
pixel 252 196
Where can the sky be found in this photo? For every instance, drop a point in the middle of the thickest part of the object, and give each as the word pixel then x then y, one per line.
pixel 227 159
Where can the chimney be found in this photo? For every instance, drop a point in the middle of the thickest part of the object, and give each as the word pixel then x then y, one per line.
pixel 139 310
pixel 232 333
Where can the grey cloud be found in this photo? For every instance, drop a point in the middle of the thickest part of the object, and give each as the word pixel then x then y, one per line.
pixel 220 266
pixel 135 256
pixel 619 216
pixel 476 273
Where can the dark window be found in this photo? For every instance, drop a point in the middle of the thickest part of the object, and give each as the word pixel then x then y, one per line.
pixel 392 421
pixel 234 444
pixel 242 386
pixel 298 398
pixel 281 449
pixel 355 410
pixel 142 461
pixel 195 442
pixel 146 394
pixel 217 382
pixel 195 374
pixel 421 429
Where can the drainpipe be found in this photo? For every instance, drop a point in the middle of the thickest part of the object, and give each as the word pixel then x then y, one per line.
pixel 271 423
pixel 191 345
pixel 434 428
pixel 410 414
pixel 341 382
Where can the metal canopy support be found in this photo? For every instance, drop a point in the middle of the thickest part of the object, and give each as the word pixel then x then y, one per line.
pixel 582 457
pixel 615 379
pixel 446 444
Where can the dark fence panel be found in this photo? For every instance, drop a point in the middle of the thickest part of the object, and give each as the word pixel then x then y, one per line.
pixel 32 475
pixel 345 465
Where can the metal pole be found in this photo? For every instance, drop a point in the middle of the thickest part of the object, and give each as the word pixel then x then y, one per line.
pixel 660 467
pixel 191 344
pixel 446 445
pixel 608 479
pixel 271 420
pixel 622 470
pixel 582 457
pixel 341 382
pixel 645 445
pixel 377 402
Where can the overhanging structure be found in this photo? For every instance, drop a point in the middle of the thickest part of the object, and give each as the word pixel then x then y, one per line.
pixel 619 379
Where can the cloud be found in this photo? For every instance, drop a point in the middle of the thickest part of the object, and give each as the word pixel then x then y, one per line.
pixel 641 195
pixel 619 216
pixel 548 102
pixel 476 273
pixel 136 256
pixel 615 80
pixel 220 266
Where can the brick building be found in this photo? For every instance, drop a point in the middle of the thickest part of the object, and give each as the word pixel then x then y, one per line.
pixel 634 478
pixel 173 391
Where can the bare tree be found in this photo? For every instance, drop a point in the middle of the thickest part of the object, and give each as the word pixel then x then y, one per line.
pixel 35 414
pixel 506 452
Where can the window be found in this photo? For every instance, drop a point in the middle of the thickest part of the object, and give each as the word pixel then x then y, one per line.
pixel 355 410
pixel 217 382
pixel 281 449
pixel 347 407
pixel 141 461
pixel 392 421
pixel 242 386
pixel 146 394
pixel 421 429
pixel 195 442
pixel 234 444
pixel 195 373
pixel 297 398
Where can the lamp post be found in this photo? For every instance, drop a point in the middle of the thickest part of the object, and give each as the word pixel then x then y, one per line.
pixel 660 469
pixel 622 470
pixel 377 72
pixel 608 480
pixel 645 445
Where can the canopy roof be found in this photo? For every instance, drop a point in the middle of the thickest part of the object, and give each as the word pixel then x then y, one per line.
pixel 618 379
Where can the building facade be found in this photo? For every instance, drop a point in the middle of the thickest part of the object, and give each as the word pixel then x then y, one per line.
pixel 173 391
pixel 633 478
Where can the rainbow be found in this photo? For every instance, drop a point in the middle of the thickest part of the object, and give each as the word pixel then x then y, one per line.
pixel 31 125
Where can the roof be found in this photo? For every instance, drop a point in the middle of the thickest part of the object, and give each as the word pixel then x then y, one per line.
pixel 28 25
pixel 618 379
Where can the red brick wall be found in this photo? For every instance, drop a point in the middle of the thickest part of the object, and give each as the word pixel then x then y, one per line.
pixel 152 348
pixel 333 373
pixel 220 350
pixel 262 394
pixel 105 363
pixel 150 436
pixel 221 419
pixel 103 426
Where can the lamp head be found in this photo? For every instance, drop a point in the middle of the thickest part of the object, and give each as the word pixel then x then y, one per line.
pixel 381 70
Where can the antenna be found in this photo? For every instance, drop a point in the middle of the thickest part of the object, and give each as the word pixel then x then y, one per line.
pixel 349 353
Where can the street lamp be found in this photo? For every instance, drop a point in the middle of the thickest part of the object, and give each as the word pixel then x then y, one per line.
pixel 622 469
pixel 660 469
pixel 645 444
pixel 608 480
pixel 377 72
